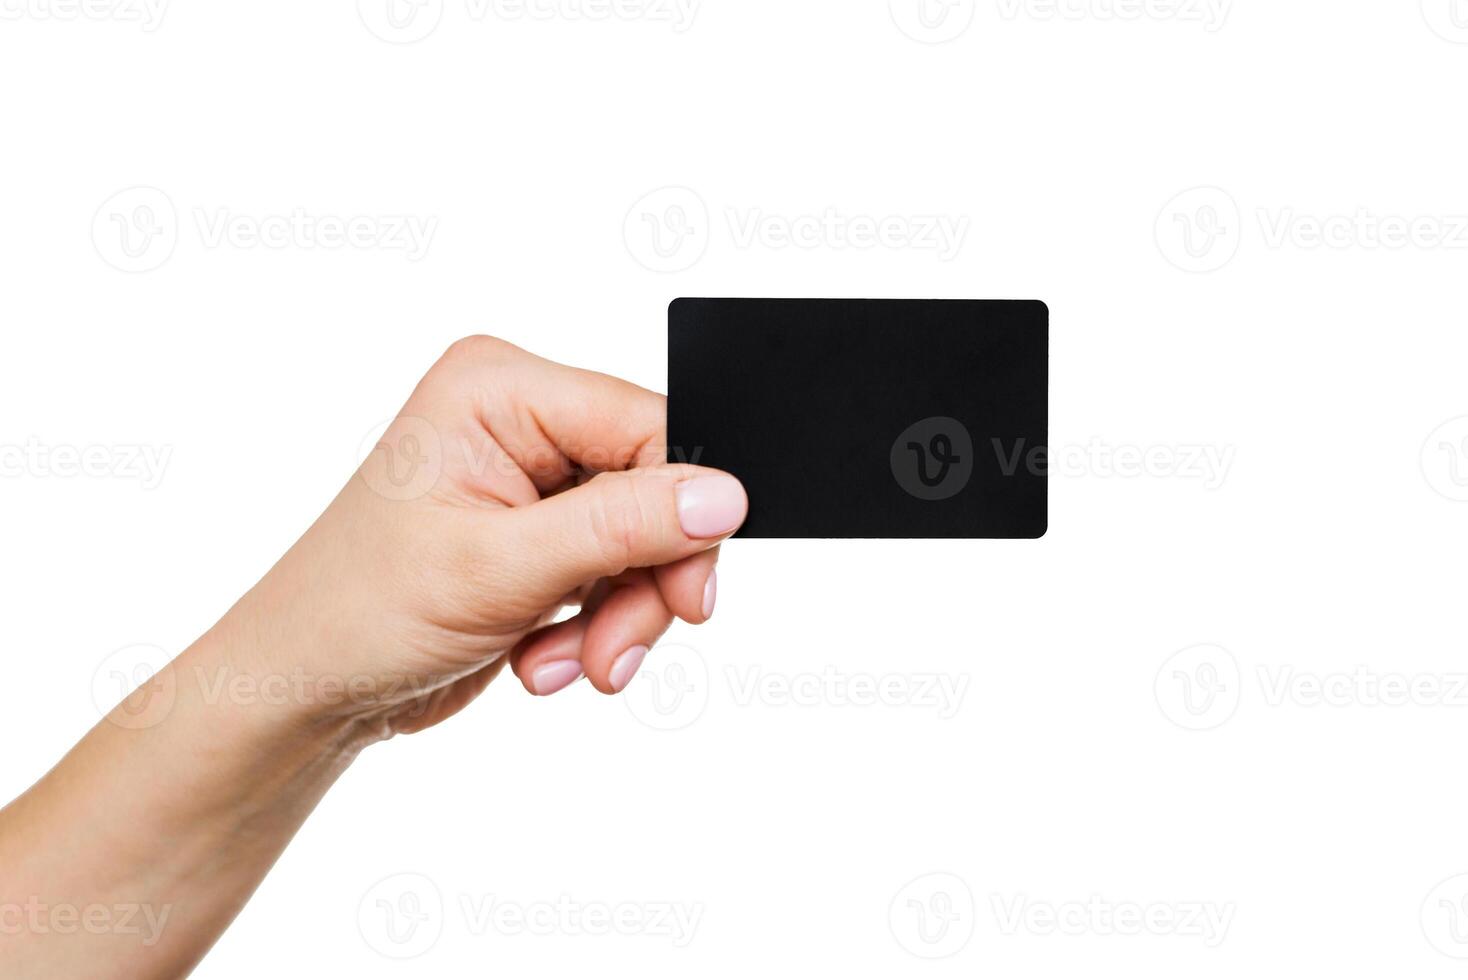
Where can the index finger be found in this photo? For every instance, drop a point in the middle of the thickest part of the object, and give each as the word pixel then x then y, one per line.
pixel 553 420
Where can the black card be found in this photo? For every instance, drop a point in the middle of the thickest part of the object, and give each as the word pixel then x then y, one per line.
pixel 867 418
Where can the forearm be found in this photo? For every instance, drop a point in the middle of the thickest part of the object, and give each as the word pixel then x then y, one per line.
pixel 133 855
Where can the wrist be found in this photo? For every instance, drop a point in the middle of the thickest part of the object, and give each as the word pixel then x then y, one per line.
pixel 256 681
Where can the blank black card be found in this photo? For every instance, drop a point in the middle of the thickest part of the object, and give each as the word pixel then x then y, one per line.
pixel 867 418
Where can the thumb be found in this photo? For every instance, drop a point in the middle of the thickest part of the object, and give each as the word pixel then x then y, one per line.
pixel 636 518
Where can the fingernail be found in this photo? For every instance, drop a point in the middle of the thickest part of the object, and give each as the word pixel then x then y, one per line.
pixel 625 666
pixel 711 506
pixel 554 676
pixel 710 593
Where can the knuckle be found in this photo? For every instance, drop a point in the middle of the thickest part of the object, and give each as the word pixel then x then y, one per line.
pixel 479 348
pixel 621 520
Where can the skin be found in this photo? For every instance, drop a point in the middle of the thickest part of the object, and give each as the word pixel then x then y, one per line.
pixel 507 489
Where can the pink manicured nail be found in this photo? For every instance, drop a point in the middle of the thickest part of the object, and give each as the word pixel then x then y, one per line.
pixel 625 666
pixel 711 506
pixel 710 593
pixel 554 676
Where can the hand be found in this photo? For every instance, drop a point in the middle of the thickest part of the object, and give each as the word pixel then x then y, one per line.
pixel 508 488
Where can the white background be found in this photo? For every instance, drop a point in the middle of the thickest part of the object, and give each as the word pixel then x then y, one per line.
pixel 1327 553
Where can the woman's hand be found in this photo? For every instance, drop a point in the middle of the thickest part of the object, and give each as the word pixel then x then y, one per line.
pixel 508 488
